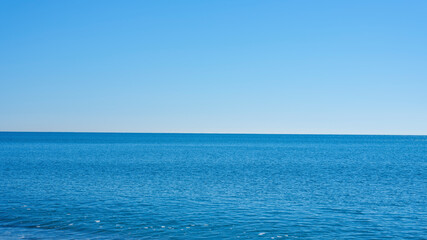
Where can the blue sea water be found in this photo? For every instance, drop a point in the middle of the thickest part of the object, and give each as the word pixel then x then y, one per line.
pixel 212 186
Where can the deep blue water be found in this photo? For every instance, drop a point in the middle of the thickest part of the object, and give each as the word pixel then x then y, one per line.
pixel 212 186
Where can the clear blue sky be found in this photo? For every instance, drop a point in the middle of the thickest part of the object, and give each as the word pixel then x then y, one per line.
pixel 214 66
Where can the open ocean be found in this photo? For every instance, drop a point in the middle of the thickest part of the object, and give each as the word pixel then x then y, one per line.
pixel 212 186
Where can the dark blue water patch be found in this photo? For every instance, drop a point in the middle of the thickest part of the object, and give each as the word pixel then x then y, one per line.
pixel 213 186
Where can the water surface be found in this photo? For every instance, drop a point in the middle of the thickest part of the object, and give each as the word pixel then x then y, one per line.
pixel 212 186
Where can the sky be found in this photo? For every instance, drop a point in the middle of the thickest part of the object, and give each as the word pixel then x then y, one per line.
pixel 240 66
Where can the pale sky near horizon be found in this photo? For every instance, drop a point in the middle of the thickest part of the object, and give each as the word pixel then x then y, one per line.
pixel 243 66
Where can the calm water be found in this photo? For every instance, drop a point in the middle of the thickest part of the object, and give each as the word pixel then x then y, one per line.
pixel 212 186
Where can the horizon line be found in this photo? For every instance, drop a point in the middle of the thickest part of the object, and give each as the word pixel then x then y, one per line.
pixel 224 133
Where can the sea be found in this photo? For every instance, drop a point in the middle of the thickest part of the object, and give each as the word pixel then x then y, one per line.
pixel 212 186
